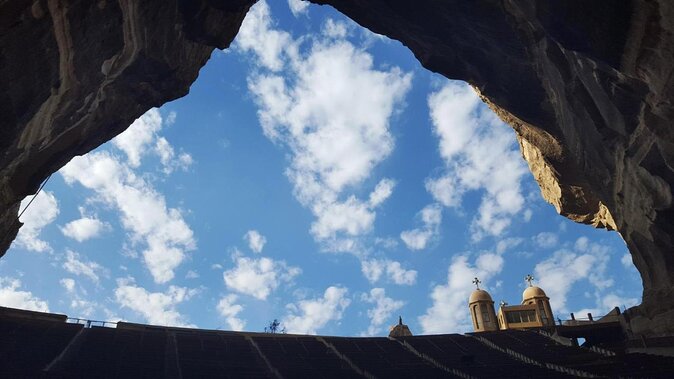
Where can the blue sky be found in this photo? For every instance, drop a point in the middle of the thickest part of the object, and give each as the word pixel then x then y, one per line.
pixel 317 174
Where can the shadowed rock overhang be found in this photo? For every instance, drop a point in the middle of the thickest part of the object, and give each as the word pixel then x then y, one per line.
pixel 586 85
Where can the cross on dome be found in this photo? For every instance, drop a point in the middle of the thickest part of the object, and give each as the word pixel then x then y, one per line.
pixel 529 279
pixel 477 282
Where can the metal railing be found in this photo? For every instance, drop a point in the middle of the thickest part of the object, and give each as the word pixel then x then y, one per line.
pixel 89 323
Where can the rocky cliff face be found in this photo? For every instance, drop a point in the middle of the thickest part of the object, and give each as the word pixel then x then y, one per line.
pixel 587 86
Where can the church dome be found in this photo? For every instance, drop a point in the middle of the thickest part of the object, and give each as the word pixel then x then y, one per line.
pixel 480 295
pixel 532 292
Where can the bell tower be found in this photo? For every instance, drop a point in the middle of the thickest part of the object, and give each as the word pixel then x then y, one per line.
pixel 482 309
pixel 535 295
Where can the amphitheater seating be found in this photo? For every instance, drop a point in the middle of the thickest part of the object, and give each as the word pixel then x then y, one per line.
pixel 472 357
pixel 385 358
pixel 544 349
pixel 28 346
pixel 204 354
pixel 310 357
pixel 46 346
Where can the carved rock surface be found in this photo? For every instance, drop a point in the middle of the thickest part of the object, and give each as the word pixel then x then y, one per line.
pixel 586 84
pixel 74 74
pixel 588 88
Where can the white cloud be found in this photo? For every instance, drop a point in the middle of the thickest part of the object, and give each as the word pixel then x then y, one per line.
pixel 191 274
pixel 381 192
pixel 229 310
pixel 257 35
pixel 558 273
pixel 308 316
pixel 84 228
pixel 68 284
pixel 298 7
pixel 258 277
pixel 507 243
pixel 42 212
pixel 546 240
pixel 256 241
pixel 449 312
pixel 373 270
pixel 75 265
pixel 141 138
pixel 143 210
pixel 335 29
pixel 480 153
pixel 84 308
pixel 418 239
pixel 331 107
pixel 168 158
pixel 384 307
pixel 11 296
pixel 135 141
pixel 155 307
pixel 627 262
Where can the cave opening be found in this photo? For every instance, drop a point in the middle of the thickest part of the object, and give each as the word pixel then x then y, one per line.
pixel 316 173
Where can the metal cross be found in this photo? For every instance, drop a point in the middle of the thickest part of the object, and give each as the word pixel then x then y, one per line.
pixel 529 279
pixel 503 303
pixel 477 282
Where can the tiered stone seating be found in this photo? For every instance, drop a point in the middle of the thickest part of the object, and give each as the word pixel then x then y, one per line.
pixel 544 349
pixel 474 358
pixel 107 352
pixel 208 354
pixel 385 358
pixel 302 357
pixel 46 346
pixel 28 346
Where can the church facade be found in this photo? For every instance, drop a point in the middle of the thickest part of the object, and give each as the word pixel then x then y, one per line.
pixel 533 312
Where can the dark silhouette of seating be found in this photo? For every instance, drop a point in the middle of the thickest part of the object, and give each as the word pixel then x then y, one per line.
pixel 38 345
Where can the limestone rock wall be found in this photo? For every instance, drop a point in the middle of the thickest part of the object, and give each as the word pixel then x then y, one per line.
pixel 586 84
pixel 588 88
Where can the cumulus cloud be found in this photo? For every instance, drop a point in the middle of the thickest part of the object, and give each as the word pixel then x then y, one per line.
pixel 42 212
pixel 257 35
pixel 228 309
pixel 75 265
pixel 157 308
pixel 382 310
pixel 142 138
pixel 626 260
pixel 449 312
pixel 162 231
pixel 11 296
pixel 546 240
pixel 309 316
pixel 587 261
pixel 331 107
pixel 298 7
pixel 374 269
pixel 258 277
pixel 84 228
pixel 256 241
pixel 480 154
pixel 68 284
pixel 418 239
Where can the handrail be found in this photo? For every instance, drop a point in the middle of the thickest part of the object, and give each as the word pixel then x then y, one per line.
pixel 89 323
